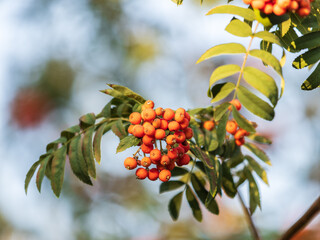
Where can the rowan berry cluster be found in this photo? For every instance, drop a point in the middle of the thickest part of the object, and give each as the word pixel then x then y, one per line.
pixel 280 7
pixel 231 127
pixel 165 128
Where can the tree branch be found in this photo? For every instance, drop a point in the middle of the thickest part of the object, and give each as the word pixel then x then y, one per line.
pixel 303 221
pixel 253 229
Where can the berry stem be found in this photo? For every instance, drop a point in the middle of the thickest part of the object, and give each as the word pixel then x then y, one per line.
pixel 161 146
pixel 134 155
pixel 244 61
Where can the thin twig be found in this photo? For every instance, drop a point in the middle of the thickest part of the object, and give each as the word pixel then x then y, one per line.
pixel 254 230
pixel 303 221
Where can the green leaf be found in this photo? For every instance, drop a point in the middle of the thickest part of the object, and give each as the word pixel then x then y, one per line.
pixel 226 48
pixel 212 177
pixel 242 178
pixel 106 111
pixel 310 41
pixel 220 111
pixel 307 58
pixel 77 161
pixel 268 36
pixel 212 205
pixel 70 132
pixel 97 141
pixel 285 26
pixel 175 205
pixel 227 181
pixel 257 168
pixel 236 157
pixel 170 185
pixel 220 91
pixel 198 153
pixel 57 168
pixel 199 188
pixel 128 93
pixel 266 46
pixel 313 81
pixel 41 171
pixel 31 173
pixel 193 203
pixel 267 58
pixel 198 135
pixel 260 139
pixel 246 13
pixel 87 120
pixel 255 104
pixel 262 82
pixel 127 142
pixel 258 152
pixel 241 121
pixel 211 142
pixel 218 172
pixel 179 171
pixel 239 28
pixel 223 72
pixel 87 150
pixel 253 191
pixel 221 128
pixel 54 145
pixel 118 129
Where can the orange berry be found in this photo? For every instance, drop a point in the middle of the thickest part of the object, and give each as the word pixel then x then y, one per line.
pixel 172 153
pixel 130 129
pixel 303 12
pixel 173 126
pixel 146 148
pixel 304 3
pixel 240 141
pixel 209 125
pixel 141 173
pixel 185 145
pixel 149 104
pixel 168 114
pixel 149 130
pixel 130 163
pixel 247 1
pixel 138 131
pixel 240 133
pixel 268 8
pixel 135 118
pixel 160 167
pixel 165 175
pixel 184 160
pixel 171 139
pixel 171 166
pixel 148 140
pixel 148 114
pixel 153 174
pixel 181 110
pixel 277 10
pixel 188 132
pixel 180 137
pixel 164 124
pixel 160 134
pixel 159 111
pixel 146 161
pixel 180 151
pixel 156 123
pixel 231 127
pixel 294 5
pixel 179 117
pixel 155 155
pixel 187 116
pixel 258 4
pixel 165 160
pixel 236 104
pixel 283 3
pixel 184 124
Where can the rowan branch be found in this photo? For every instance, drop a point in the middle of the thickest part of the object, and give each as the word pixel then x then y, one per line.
pixel 253 229
pixel 303 221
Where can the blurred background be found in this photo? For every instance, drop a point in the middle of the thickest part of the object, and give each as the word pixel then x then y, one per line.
pixel 55 56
